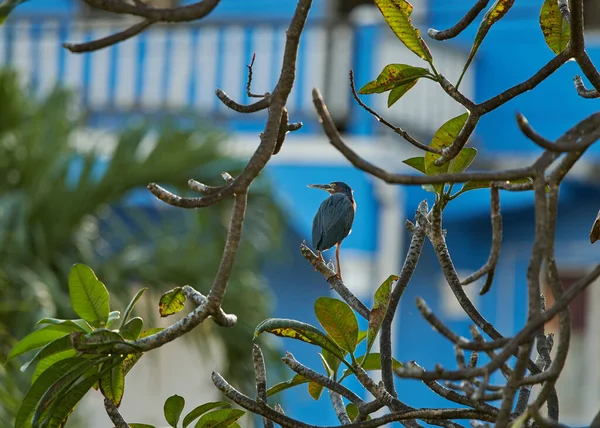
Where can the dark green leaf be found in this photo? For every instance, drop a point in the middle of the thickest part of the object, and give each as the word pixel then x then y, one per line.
pixel 202 409
pixel 392 76
pixel 131 305
pixel 556 29
pixel 77 324
pixel 112 383
pixel 59 345
pixel 397 15
pixel 493 15
pixel 171 302
pixel 64 404
pixel 39 338
pixel 444 137
pixel 173 408
pixel 399 91
pixel 339 321
pixel 315 390
pixel 131 330
pixel 89 296
pixel 299 331
pixel 463 160
pixel 63 384
pixel 381 301
pixel 282 386
pixel 43 364
pixel 219 418
pixel 417 163
pixel 41 385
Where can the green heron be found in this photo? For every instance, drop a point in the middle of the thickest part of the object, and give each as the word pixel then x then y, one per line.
pixel 333 220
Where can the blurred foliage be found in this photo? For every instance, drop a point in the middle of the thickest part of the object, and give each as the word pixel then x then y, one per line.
pixel 66 197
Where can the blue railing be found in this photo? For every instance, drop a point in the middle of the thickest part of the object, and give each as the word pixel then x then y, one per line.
pixel 179 66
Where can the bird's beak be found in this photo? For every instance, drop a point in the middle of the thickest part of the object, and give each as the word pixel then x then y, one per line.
pixel 326 187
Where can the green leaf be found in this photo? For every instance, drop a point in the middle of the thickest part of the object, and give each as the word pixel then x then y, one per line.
pixel 76 324
pixel 399 91
pixel 40 386
pixel 282 386
pixel 43 364
pixel 443 137
pixel 219 418
pixel 339 321
pixel 112 383
pixel 352 411
pixel 362 334
pixel 381 301
pixel 64 404
pixel 332 361
pixel 463 160
pixel 131 330
pixel 173 408
pixel 171 302
pixel 328 369
pixel 397 15
pixel 315 390
pixel 556 29
pixel 89 296
pixel 6 7
pixel 299 331
pixel 113 317
pixel 132 359
pixel 202 409
pixel 131 305
pixel 59 345
pixel 392 76
pixel 39 338
pixel 60 386
pixel 373 362
pixel 473 185
pixel 493 15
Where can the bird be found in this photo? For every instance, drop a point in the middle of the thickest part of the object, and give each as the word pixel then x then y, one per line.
pixel 333 221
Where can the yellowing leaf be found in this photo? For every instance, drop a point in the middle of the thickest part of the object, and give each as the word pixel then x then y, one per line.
pixel 394 75
pixel 339 321
pixel 397 15
pixel 556 29
pixel 171 302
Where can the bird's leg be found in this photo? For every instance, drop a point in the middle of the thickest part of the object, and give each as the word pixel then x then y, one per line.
pixel 320 258
pixel 337 259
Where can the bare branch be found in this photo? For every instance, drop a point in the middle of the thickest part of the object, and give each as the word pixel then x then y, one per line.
pixel 464 22
pixel 189 12
pixel 338 407
pixel 240 108
pixel 490 265
pixel 260 374
pixel 582 91
pixel 113 39
pixel 114 415
pixel 336 283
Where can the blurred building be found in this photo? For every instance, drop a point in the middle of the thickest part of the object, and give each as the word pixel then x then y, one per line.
pixel 177 68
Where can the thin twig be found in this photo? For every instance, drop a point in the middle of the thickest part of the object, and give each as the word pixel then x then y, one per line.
pixel 582 91
pixel 113 39
pixel 394 128
pixel 260 374
pixel 241 108
pixel 464 22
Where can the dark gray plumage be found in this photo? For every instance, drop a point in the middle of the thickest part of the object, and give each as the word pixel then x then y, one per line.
pixel 333 222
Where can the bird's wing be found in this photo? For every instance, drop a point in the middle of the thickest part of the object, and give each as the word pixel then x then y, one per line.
pixel 333 222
